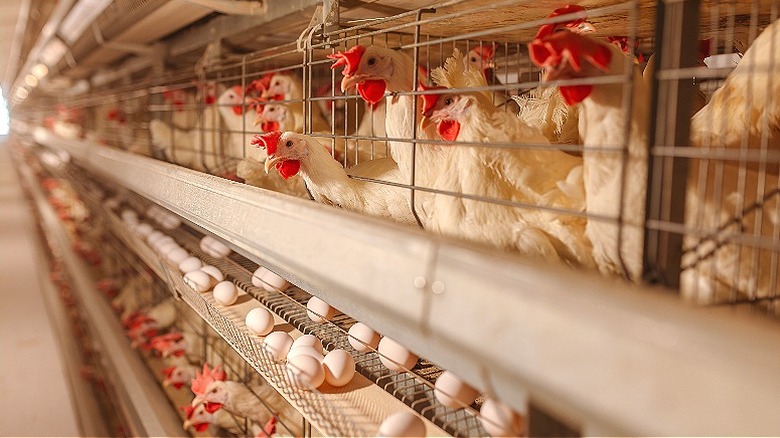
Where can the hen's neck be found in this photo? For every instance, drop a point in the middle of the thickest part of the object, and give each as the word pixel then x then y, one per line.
pixel 402 78
pixel 242 401
pixel 321 170
pixel 603 115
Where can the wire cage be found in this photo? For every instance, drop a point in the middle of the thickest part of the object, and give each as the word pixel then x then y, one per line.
pixel 633 138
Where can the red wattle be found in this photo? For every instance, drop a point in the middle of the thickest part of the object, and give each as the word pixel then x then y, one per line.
pixel 288 168
pixel 269 126
pixel 238 110
pixel 373 90
pixel 178 385
pixel 573 94
pixel 448 129
pixel 212 407
pixel 201 427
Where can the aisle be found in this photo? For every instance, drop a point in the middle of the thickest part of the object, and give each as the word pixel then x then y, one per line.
pixel 34 396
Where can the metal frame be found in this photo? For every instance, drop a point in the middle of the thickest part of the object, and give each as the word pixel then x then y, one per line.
pixel 639 356
pixel 142 401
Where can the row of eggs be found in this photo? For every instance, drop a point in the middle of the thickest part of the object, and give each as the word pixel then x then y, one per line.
pixel 307 364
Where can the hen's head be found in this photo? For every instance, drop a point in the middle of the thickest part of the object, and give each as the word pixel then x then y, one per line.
pixel 285 151
pixel 272 116
pixel 233 97
pixel 198 418
pixel 279 86
pixel 368 68
pixel 169 344
pixel 209 388
pixel 446 110
pixel 565 53
pixel 482 59
pixel 177 376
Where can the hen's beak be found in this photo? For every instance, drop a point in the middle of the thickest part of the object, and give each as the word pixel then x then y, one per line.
pixel 166 384
pixel 271 162
pixel 258 120
pixel 197 400
pixel 350 81
pixel 186 425
pixel 425 122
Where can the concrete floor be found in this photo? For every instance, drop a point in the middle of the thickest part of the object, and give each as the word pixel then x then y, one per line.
pixel 34 396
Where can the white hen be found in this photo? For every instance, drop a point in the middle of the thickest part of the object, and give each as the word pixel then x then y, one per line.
pixel 532 176
pixel 329 183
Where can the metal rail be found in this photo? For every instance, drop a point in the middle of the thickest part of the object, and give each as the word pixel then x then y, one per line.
pixel 609 357
pixel 142 400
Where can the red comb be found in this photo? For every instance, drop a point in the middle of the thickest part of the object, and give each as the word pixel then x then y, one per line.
pixel 238 89
pixel 205 378
pixel 188 410
pixel 270 427
pixel 548 29
pixel 267 141
pixel 350 58
pixel 429 100
pixel 422 71
pixel 168 372
pixel 486 51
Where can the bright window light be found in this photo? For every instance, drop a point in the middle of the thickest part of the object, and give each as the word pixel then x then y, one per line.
pixel 4 120
pixel 31 80
pixel 81 16
pixel 40 70
pixel 53 52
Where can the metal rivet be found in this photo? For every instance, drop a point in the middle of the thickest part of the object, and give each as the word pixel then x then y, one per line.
pixel 420 282
pixel 437 287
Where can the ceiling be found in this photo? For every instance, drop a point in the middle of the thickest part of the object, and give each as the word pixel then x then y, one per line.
pixel 9 14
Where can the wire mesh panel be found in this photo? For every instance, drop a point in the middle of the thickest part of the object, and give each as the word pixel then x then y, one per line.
pixel 725 226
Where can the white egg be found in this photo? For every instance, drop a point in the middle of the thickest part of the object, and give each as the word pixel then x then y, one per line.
pixel 361 337
pixel 498 419
pixel 278 344
pixel 199 281
pixel 453 392
pixel 305 371
pixel 402 424
pixel 319 311
pixel 111 203
pixel 339 367
pixel 268 280
pixel 204 241
pixel 260 321
pixel 165 240
pixel 190 264
pixel 309 351
pixel 165 247
pixel 177 255
pixel 154 236
pixel 169 221
pixel 395 356
pixel 127 213
pixel 153 211
pixel 308 341
pixel 257 277
pixel 214 247
pixel 225 293
pixel 144 229
pixel 213 271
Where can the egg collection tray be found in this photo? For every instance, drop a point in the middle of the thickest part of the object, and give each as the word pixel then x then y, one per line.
pixel 349 411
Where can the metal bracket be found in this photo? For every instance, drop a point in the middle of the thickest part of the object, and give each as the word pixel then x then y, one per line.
pixel 139 49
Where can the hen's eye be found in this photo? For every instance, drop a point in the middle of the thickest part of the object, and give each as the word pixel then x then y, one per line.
pixel 214 391
pixel 289 143
pixel 473 59
pixel 448 101
pixel 371 61
pixel 271 109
